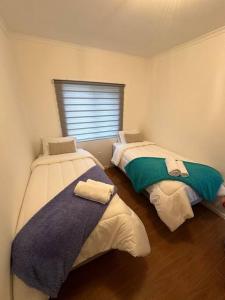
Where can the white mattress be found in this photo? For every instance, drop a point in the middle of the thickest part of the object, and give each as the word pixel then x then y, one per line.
pixel 119 228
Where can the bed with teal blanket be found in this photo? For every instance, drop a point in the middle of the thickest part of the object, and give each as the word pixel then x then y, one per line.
pixel 146 171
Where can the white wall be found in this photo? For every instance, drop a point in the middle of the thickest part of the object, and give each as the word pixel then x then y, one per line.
pixel 186 105
pixel 39 61
pixel 177 97
pixel 16 156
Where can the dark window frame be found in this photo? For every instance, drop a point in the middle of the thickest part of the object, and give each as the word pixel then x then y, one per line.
pixel 58 84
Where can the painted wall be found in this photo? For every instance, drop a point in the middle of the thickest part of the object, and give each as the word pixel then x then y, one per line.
pixel 177 97
pixel 16 156
pixel 39 61
pixel 186 106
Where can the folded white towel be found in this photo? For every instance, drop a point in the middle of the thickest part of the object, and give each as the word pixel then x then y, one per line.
pixel 92 192
pixel 103 185
pixel 172 167
pixel 182 168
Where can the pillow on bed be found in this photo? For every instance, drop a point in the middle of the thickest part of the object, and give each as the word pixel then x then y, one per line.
pixel 61 145
pixel 133 137
pixel 61 148
pixel 122 133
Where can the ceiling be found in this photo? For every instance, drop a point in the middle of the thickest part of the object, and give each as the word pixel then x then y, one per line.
pixel 140 27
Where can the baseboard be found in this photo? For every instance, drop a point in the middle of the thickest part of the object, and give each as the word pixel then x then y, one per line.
pixel 216 207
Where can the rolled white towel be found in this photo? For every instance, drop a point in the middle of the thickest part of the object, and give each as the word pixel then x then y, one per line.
pixel 182 168
pixel 92 192
pixel 102 185
pixel 172 167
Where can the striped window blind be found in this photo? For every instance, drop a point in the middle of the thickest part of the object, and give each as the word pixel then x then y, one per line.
pixel 89 110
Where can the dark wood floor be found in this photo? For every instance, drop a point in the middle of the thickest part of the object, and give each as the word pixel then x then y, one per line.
pixel 186 264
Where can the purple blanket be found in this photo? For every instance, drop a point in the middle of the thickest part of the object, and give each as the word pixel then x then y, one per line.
pixel 44 251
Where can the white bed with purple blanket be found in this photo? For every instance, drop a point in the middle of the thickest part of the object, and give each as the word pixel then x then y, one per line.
pixel 119 228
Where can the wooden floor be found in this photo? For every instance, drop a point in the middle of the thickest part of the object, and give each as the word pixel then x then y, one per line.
pixel 186 264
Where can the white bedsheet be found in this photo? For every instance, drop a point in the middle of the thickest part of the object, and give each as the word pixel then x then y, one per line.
pixel 119 228
pixel 126 152
pixel 166 194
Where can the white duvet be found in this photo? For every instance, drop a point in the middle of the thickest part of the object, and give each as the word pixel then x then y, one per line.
pixel 119 228
pixel 171 198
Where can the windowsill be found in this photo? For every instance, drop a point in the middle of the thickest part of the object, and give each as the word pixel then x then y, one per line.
pixel 100 139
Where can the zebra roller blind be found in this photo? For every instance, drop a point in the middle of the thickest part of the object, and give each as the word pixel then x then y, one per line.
pixel 89 110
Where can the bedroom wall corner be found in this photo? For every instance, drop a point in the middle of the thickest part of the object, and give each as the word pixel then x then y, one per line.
pixel 16 156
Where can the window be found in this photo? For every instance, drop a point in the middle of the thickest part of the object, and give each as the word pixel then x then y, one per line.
pixel 90 110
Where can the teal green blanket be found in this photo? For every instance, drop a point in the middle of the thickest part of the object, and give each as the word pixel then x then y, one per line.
pixel 145 171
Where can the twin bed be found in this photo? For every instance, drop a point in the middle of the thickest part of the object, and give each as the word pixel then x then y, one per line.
pixel 119 227
pixel 172 199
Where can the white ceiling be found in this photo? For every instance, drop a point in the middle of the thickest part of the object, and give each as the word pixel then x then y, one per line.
pixel 142 27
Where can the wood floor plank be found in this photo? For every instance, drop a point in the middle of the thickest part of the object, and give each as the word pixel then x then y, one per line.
pixel 187 264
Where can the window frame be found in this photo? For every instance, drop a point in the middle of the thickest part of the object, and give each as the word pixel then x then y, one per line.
pixel 58 83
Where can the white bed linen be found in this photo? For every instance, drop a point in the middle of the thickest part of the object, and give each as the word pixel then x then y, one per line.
pixel 119 228
pixel 165 194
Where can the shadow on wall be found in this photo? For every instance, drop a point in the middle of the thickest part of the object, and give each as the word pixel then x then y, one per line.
pixel 101 149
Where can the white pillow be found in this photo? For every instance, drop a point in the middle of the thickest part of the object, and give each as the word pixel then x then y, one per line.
pixel 121 135
pixel 46 141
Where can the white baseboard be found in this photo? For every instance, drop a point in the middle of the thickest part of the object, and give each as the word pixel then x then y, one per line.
pixel 216 207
